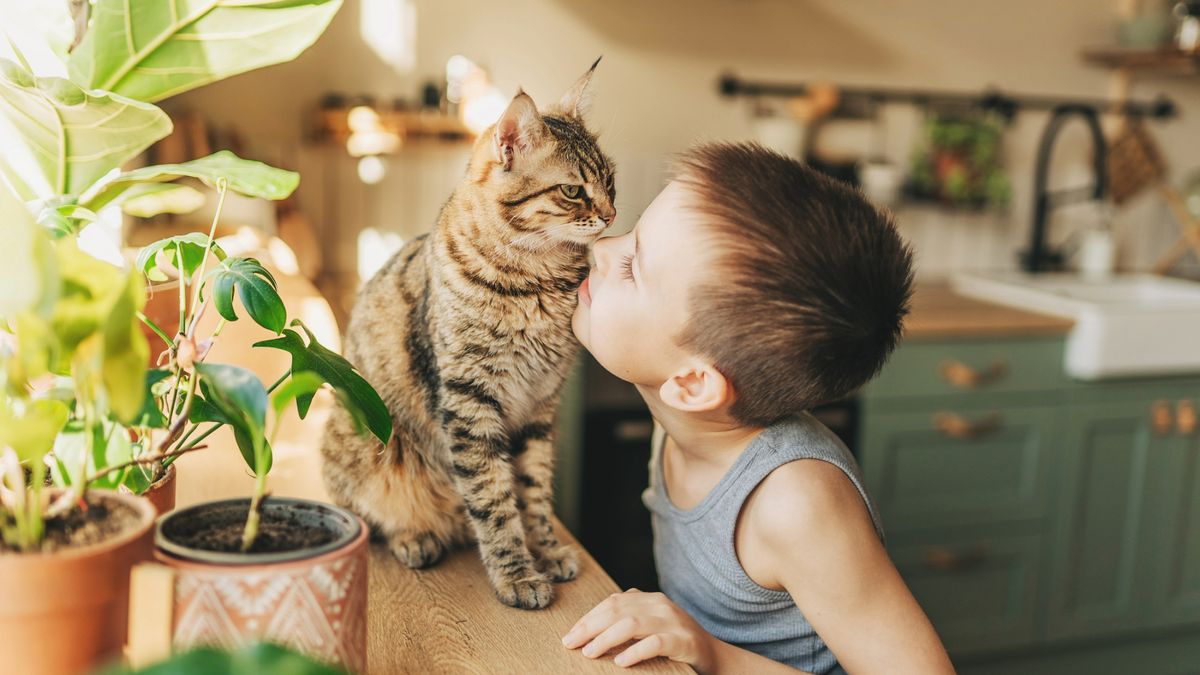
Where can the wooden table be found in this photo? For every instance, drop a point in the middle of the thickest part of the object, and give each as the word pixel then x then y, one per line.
pixel 447 620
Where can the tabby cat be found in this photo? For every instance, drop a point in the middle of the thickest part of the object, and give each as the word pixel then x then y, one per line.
pixel 466 333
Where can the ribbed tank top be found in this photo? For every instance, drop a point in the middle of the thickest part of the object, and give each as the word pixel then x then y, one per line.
pixel 694 551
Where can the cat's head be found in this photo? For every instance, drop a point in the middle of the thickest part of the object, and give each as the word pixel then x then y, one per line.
pixel 546 172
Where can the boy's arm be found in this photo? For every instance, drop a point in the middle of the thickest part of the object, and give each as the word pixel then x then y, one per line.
pixel 809 527
pixel 659 627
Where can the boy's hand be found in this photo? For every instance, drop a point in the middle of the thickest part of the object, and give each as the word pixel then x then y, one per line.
pixel 660 627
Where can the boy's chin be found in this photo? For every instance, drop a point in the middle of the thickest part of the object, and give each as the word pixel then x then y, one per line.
pixel 579 328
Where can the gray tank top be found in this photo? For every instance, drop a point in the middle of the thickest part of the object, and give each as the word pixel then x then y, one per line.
pixel 694 549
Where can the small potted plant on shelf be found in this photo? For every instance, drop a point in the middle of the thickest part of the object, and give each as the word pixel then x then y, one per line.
pixel 81 409
pixel 959 163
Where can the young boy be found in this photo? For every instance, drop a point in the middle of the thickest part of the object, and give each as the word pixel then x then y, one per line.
pixel 751 290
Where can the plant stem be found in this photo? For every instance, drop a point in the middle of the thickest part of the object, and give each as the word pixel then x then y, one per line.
pixel 222 188
pixel 148 459
pixel 182 290
pixel 159 331
pixel 250 533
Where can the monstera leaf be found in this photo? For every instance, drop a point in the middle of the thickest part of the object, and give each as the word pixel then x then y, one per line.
pixel 171 46
pixel 244 176
pixel 60 139
pixel 255 286
pixel 354 392
pixel 189 248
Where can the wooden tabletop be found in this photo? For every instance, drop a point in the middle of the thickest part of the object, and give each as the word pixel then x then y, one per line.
pixel 447 620
pixel 939 312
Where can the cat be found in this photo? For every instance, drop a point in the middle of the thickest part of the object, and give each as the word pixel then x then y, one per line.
pixel 466 334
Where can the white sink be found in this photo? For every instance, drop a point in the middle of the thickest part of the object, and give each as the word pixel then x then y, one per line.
pixel 1125 325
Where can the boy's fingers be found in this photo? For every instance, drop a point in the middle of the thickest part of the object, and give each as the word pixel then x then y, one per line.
pixel 619 633
pixel 646 648
pixel 600 617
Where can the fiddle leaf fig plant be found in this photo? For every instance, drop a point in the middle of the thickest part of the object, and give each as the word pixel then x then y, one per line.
pixel 81 400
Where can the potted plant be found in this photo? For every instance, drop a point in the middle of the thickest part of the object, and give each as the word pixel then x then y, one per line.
pixel 959 163
pixel 79 403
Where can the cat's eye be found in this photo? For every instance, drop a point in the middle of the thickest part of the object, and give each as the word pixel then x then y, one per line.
pixel 571 191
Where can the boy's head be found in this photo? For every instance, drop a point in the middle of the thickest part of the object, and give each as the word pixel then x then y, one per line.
pixel 752 284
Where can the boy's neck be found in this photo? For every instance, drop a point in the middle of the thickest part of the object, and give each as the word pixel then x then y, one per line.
pixel 701 438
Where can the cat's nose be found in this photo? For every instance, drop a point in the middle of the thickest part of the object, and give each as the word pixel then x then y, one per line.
pixel 608 216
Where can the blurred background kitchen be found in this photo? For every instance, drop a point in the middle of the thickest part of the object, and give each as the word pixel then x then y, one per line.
pixel 1033 444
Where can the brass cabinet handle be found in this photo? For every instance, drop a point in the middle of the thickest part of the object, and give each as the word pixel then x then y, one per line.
pixel 1161 421
pixel 958 427
pixel 942 559
pixel 1185 417
pixel 963 376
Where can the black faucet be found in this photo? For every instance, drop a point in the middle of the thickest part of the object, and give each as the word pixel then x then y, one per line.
pixel 1039 257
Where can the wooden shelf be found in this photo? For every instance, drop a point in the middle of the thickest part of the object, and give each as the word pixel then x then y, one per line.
pixel 1147 61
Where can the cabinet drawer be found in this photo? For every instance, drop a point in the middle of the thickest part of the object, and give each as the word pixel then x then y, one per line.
pixel 979 591
pixel 964 367
pixel 956 467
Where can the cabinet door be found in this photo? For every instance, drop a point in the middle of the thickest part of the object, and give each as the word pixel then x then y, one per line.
pixel 1173 528
pixel 1107 450
pixel 979 590
pixel 959 466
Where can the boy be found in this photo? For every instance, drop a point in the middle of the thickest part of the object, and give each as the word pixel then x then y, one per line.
pixel 753 289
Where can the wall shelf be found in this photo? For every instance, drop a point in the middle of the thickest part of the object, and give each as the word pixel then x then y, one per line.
pixel 1144 61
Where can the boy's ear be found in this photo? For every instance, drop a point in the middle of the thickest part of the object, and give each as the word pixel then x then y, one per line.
pixel 698 387
pixel 577 100
pixel 518 131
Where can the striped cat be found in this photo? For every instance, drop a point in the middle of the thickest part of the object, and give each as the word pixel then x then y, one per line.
pixel 466 333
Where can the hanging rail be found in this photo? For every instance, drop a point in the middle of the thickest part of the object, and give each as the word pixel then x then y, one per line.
pixel 1003 103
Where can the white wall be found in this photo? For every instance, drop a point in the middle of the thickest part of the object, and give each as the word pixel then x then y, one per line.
pixel 656 94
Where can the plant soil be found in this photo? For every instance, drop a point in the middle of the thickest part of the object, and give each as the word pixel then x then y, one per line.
pixel 278 532
pixel 102 519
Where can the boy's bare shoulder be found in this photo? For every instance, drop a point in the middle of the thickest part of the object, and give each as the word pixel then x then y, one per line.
pixel 804 500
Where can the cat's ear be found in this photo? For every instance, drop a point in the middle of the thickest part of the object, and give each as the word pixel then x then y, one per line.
pixel 518 130
pixel 578 100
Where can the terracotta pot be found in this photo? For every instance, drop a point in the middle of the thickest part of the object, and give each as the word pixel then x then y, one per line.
pixel 162 493
pixel 67 611
pixel 313 600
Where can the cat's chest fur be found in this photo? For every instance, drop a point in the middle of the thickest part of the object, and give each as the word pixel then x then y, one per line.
pixel 533 358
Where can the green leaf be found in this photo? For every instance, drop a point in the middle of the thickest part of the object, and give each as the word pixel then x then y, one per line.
pixel 111 446
pixel 151 416
pixel 28 272
pixel 29 427
pixel 354 392
pixel 244 176
pixel 254 659
pixel 152 50
pixel 60 139
pixel 192 247
pixel 126 352
pixel 241 398
pixel 299 384
pixel 256 288
pixel 151 199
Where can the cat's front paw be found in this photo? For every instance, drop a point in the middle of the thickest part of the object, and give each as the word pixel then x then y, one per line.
pixel 529 592
pixel 416 551
pixel 559 563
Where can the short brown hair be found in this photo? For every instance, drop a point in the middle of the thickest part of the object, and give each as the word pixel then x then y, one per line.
pixel 812 281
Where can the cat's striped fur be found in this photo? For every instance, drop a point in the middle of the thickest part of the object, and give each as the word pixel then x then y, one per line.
pixel 466 334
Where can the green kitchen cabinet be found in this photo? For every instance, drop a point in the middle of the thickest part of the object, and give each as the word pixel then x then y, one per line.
pixel 1105 486
pixel 959 464
pixel 1173 527
pixel 1033 516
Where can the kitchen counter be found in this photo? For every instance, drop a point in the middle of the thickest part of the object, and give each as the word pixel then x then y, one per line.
pixel 939 312
pixel 445 619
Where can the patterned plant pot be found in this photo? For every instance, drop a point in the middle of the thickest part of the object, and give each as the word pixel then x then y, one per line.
pixel 66 612
pixel 314 600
